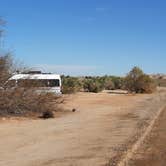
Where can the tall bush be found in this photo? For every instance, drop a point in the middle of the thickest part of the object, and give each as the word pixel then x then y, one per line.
pixel 138 82
pixel 21 101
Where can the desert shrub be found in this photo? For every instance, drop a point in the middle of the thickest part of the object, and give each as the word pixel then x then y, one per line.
pixel 22 101
pixel 109 84
pixel 146 84
pixel 118 82
pixel 138 82
pixel 92 85
pixel 70 84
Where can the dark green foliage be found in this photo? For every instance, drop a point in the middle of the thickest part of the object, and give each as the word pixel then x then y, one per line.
pixel 109 84
pixel 118 82
pixel 93 85
pixel 70 84
pixel 135 81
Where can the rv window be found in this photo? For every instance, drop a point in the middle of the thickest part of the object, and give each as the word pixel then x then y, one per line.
pixel 53 83
pixel 37 83
pixel 31 83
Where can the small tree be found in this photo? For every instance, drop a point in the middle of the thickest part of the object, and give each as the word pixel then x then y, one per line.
pixel 4 60
pixel 138 82
pixel 5 67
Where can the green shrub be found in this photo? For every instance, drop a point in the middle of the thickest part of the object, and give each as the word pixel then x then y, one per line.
pixel 92 85
pixel 109 85
pixel 70 85
pixel 118 82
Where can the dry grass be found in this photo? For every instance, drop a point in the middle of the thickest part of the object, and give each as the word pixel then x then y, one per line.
pixel 21 101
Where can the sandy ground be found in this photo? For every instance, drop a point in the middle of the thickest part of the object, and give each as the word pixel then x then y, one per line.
pixel 153 151
pixel 97 132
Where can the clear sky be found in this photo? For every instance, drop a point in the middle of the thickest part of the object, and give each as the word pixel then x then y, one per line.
pixel 87 37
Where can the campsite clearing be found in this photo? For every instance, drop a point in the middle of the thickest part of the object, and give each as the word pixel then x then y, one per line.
pixel 101 129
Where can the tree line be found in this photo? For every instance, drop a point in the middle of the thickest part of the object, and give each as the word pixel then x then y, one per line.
pixel 136 81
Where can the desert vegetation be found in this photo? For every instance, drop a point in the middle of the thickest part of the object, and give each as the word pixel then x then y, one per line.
pixel 93 84
pixel 136 81
pixel 70 84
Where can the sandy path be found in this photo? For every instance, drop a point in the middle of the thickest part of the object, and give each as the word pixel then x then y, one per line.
pixel 153 151
pixel 101 126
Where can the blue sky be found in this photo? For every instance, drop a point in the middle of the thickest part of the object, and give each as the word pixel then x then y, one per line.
pixel 87 37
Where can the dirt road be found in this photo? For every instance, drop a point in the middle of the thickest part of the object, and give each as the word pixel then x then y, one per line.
pixel 98 131
pixel 153 151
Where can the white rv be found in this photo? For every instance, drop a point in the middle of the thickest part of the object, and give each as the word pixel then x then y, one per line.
pixel 41 82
